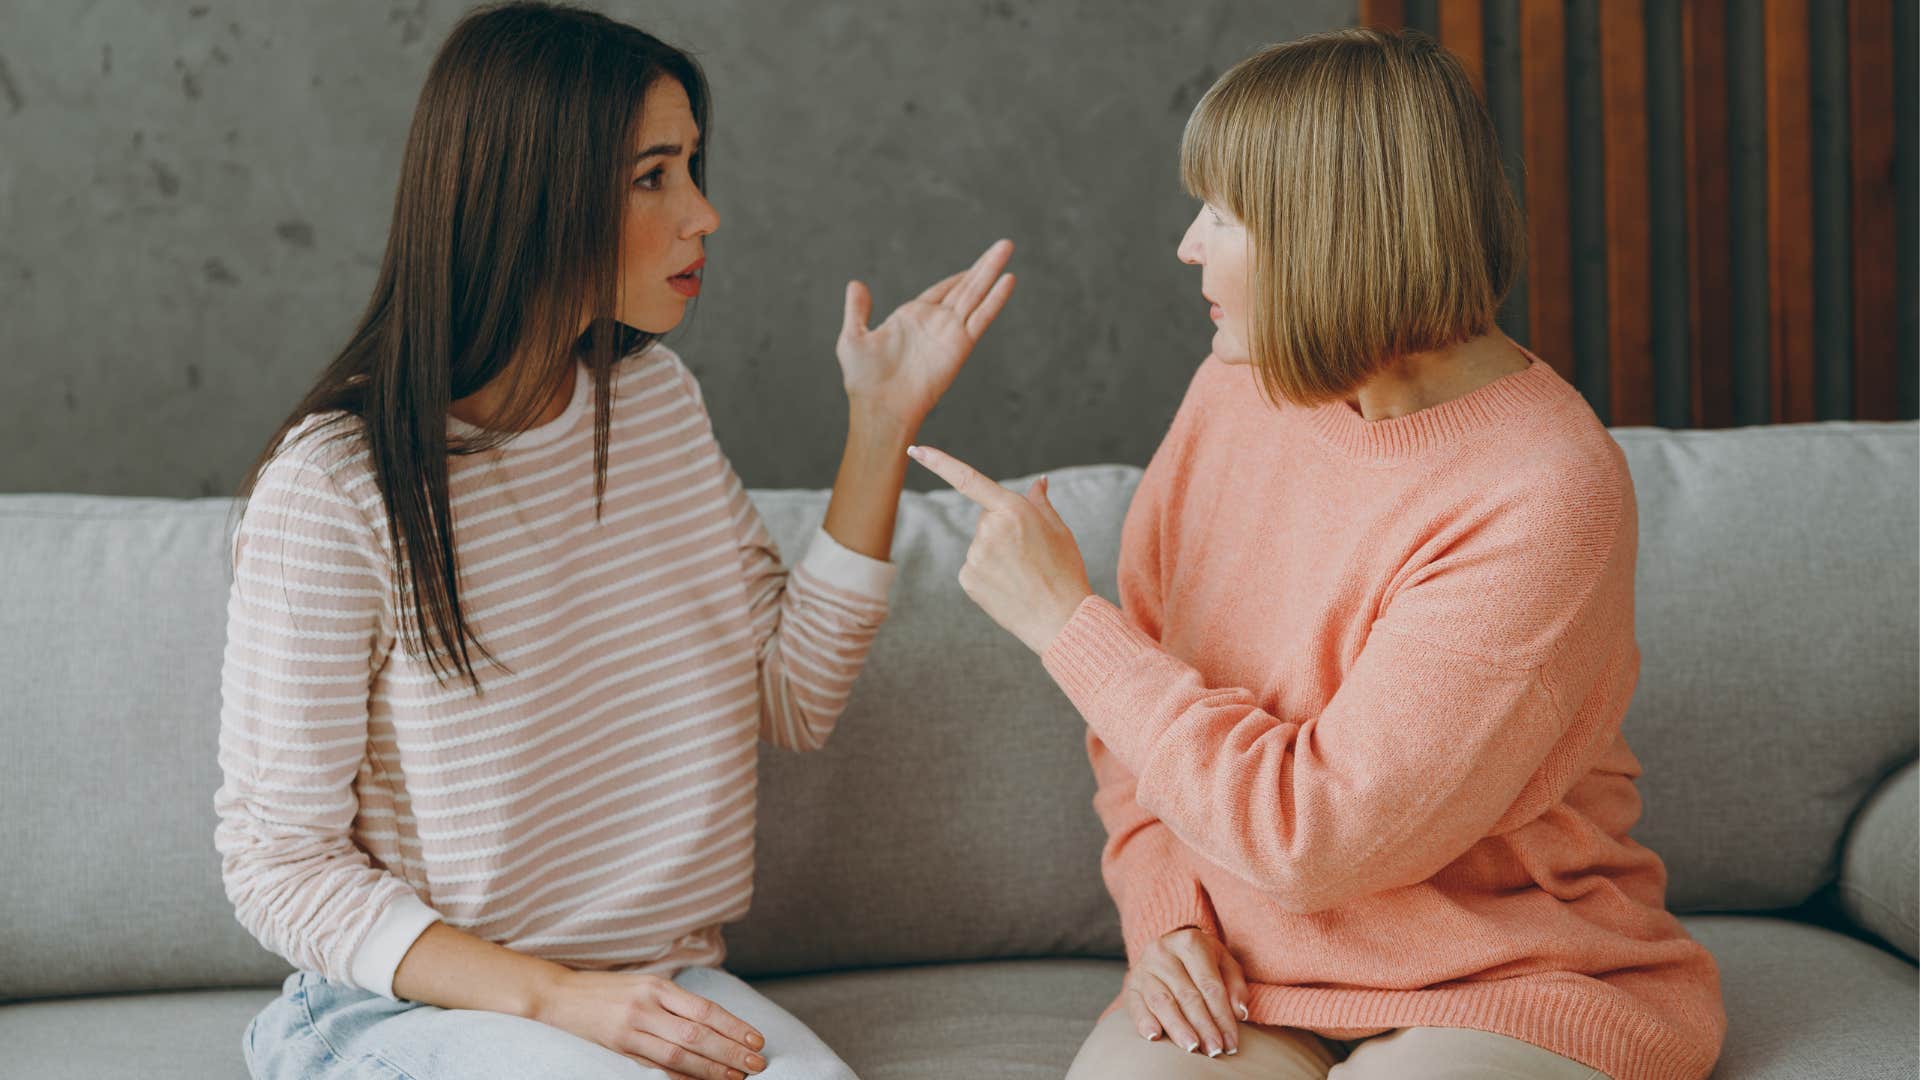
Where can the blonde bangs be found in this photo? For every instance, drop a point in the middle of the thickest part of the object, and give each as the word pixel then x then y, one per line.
pixel 1367 175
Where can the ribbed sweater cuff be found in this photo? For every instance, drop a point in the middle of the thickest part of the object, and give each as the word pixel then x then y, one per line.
pixel 844 568
pixel 386 944
pixel 1097 642
pixel 1166 906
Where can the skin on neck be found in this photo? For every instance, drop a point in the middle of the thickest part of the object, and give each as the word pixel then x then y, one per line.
pixel 1418 380
pixel 478 406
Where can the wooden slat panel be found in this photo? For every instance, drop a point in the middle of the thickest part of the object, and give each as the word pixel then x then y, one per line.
pixel 1790 211
pixel 1383 14
pixel 1703 28
pixel 1875 284
pixel 1543 82
pixel 1623 99
pixel 1463 33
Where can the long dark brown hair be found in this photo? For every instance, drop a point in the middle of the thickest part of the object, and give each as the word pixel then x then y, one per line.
pixel 505 241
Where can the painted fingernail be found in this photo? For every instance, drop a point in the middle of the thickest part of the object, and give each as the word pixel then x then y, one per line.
pixel 1242 1010
pixel 1153 1037
pixel 1192 1046
pixel 1213 1051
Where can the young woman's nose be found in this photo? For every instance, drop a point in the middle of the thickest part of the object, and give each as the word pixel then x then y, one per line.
pixel 701 219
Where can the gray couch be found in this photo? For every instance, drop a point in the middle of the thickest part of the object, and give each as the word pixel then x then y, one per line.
pixel 929 895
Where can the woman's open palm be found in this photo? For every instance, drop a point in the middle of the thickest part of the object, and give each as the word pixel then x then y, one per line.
pixel 902 366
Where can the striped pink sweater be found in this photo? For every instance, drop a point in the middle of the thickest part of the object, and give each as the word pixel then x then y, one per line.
pixel 595 805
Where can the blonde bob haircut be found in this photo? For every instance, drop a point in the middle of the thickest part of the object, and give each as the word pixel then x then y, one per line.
pixel 1367 175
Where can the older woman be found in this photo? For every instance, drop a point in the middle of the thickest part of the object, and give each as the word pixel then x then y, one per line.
pixel 1356 721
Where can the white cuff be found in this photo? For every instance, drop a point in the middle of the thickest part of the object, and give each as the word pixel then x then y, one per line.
pixel 844 568
pixel 393 933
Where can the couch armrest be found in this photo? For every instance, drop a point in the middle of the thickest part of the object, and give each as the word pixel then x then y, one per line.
pixel 1880 861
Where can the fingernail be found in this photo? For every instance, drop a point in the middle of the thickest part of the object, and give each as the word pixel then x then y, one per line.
pixel 1242 1010
pixel 1213 1051
pixel 1153 1037
pixel 1232 1050
pixel 756 1063
pixel 756 1041
pixel 1192 1046
pixel 913 452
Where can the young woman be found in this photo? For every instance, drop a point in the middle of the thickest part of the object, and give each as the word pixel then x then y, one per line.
pixel 505 630
pixel 1356 721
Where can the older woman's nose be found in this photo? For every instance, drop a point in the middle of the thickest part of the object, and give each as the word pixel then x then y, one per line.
pixel 1189 250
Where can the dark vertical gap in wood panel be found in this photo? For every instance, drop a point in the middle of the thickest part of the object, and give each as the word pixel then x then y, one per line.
pixel 1623 97
pixel 1829 161
pixel 1747 231
pixel 1870 192
pixel 1906 172
pixel 1502 18
pixel 1424 16
pixel 1667 272
pixel 1543 79
pixel 1703 43
pixel 1586 200
pixel 1463 32
pixel 1789 211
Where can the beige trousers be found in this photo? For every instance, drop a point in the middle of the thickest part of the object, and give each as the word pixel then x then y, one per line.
pixel 1115 1051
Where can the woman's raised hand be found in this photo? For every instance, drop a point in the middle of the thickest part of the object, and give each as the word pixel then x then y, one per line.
pixel 1187 986
pixel 896 371
pixel 1024 567
pixel 653 1021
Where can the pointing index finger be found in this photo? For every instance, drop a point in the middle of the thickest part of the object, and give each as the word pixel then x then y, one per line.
pixel 965 478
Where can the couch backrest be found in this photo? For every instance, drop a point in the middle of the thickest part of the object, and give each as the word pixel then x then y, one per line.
pixel 949 818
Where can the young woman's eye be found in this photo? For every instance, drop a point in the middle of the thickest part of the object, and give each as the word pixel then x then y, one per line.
pixel 651 180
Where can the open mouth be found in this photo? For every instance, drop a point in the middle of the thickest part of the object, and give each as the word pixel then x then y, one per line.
pixel 687 282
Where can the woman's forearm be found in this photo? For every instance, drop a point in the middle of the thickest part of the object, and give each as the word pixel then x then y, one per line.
pixel 866 493
pixel 456 970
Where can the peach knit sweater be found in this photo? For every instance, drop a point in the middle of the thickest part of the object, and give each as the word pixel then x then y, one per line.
pixel 1360 717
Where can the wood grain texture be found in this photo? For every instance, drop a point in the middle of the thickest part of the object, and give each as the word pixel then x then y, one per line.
pixel 1790 351
pixel 1383 14
pixel 1463 33
pixel 1875 270
pixel 1623 97
pixel 1703 26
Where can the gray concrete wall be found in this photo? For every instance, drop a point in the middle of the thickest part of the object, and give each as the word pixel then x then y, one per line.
pixel 194 197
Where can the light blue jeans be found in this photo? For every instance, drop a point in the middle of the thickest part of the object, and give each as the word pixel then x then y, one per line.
pixel 319 1030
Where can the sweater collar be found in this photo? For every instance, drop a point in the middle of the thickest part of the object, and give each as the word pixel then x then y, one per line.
pixel 1398 438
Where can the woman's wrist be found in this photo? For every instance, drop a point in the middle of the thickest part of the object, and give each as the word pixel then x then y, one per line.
pixel 877 429
pixel 542 991
pixel 457 970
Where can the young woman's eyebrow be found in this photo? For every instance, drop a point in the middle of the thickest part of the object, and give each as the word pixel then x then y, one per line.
pixel 664 149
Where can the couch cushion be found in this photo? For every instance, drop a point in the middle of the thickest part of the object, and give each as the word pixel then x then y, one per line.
pixel 1880 867
pixel 112 631
pixel 1801 1001
pixel 1780 647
